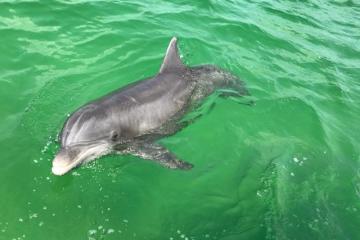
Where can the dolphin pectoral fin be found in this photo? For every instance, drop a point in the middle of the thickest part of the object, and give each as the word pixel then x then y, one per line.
pixel 159 154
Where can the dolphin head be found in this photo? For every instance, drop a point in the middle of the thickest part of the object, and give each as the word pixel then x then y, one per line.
pixel 88 134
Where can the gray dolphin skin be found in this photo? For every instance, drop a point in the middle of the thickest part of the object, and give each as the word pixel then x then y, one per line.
pixel 131 119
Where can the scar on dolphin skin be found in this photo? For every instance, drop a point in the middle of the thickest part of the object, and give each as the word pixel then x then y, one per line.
pixel 132 119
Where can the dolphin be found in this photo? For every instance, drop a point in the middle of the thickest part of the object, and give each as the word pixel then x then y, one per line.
pixel 131 119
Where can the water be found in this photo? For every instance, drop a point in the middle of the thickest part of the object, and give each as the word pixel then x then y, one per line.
pixel 285 168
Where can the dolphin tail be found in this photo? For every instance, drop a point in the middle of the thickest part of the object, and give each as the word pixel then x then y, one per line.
pixel 235 89
pixel 159 154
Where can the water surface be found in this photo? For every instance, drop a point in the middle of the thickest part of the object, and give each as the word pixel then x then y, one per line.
pixel 285 168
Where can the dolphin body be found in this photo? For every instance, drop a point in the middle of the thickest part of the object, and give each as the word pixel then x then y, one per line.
pixel 131 119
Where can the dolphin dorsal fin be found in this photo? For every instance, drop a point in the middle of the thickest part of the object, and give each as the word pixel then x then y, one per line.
pixel 172 59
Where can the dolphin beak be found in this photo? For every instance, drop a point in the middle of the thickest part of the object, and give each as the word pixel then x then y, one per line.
pixel 58 168
pixel 71 157
pixel 63 162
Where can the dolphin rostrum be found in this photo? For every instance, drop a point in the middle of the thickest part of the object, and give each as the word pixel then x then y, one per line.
pixel 130 120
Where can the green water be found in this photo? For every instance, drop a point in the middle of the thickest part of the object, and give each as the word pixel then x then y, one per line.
pixel 285 168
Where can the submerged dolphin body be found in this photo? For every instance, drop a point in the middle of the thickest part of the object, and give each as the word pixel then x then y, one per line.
pixel 131 119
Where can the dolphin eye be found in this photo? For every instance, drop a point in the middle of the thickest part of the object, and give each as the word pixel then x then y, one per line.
pixel 114 135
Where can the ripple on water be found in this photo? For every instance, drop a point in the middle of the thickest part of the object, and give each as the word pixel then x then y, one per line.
pixel 285 167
